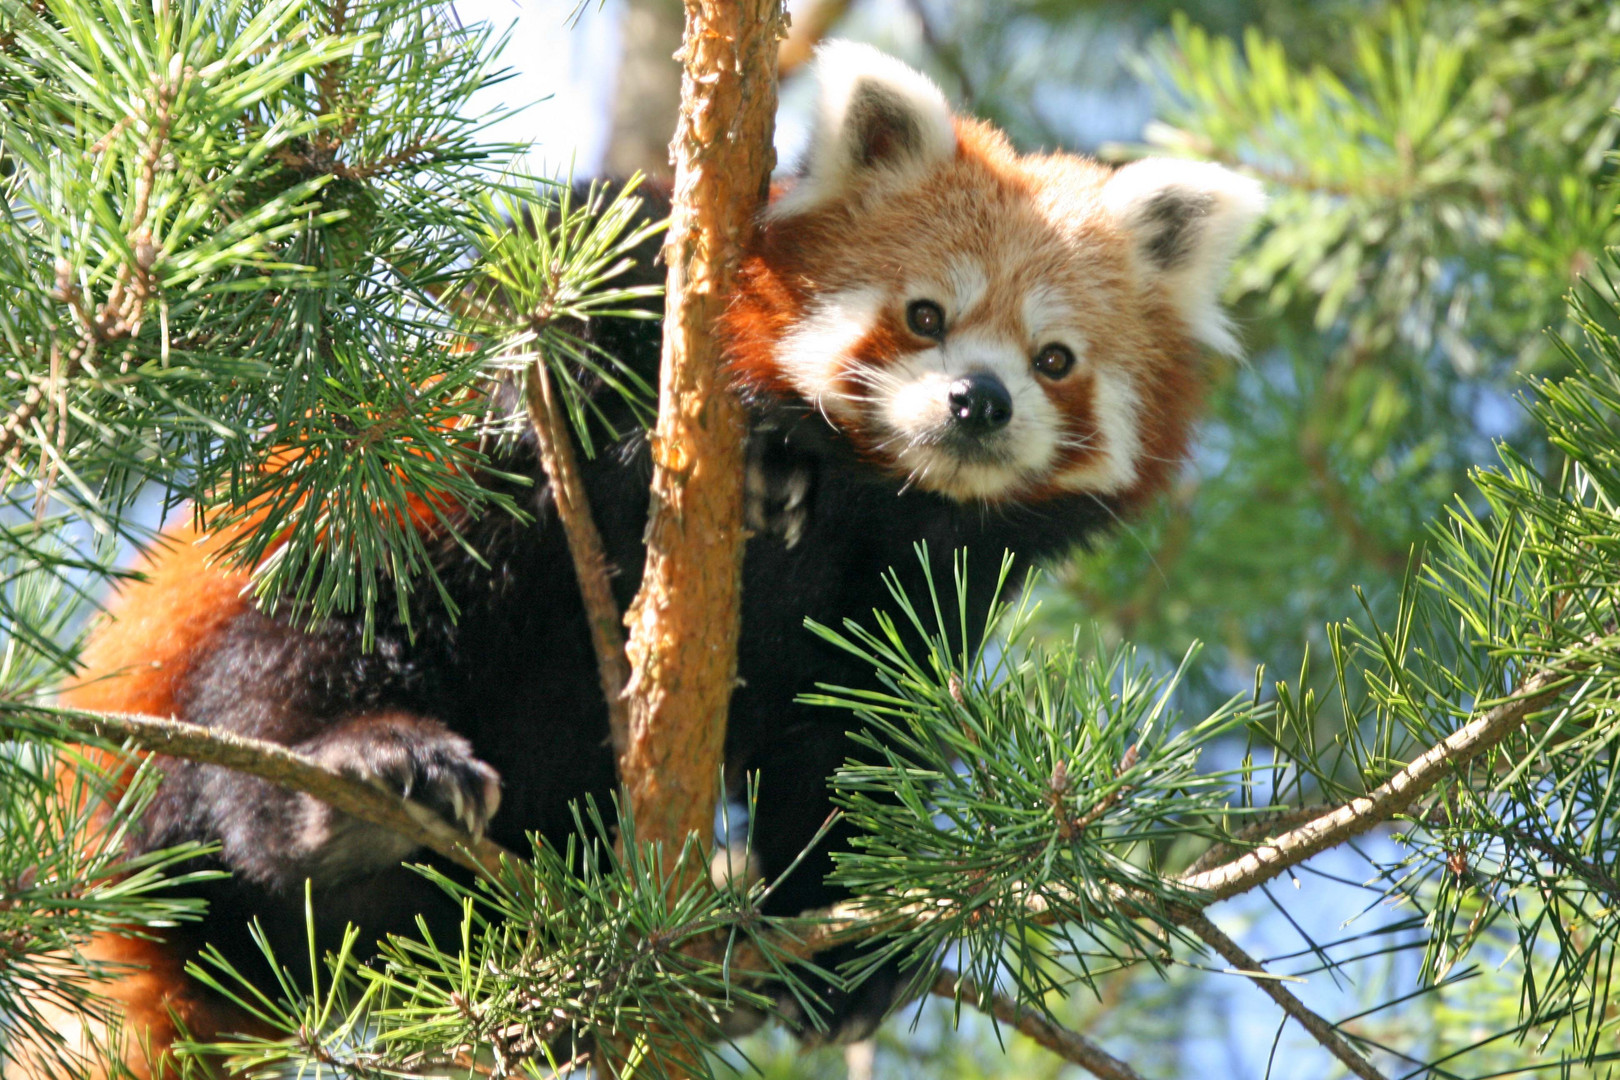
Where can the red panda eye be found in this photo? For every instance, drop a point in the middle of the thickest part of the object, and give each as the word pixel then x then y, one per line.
pixel 925 319
pixel 1054 361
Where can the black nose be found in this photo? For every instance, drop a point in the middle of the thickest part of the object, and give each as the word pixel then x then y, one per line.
pixel 980 403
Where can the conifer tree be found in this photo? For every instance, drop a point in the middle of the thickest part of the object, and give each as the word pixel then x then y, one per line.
pixel 241 231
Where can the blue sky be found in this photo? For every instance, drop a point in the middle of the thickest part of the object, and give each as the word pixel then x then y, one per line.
pixel 562 75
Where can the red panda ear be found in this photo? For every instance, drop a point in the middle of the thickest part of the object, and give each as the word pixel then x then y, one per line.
pixel 1186 219
pixel 877 121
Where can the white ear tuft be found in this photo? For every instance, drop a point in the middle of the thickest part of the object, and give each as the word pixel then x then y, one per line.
pixel 875 119
pixel 1187 219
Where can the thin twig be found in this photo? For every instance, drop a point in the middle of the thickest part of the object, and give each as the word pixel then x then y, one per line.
pixel 585 546
pixel 1591 875
pixel 12 428
pixel 1384 801
pixel 285 768
pixel 1268 826
pixel 1067 1044
pixel 1247 966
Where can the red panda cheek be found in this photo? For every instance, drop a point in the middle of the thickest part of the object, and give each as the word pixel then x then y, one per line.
pixel 1173 398
pixel 1079 439
pixel 859 379
pixel 765 309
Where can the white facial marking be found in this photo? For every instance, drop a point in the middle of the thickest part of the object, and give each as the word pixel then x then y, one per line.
pixel 1049 317
pixel 915 403
pixel 965 284
pixel 1117 406
pixel 816 352
pixel 907 400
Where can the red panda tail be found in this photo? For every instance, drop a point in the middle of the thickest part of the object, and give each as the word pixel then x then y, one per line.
pixel 136 661
pixel 151 1003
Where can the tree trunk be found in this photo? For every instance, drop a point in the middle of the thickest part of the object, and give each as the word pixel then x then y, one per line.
pixel 683 623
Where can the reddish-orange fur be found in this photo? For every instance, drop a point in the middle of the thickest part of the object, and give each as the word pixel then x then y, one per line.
pixel 1000 207
pixel 154 627
pixel 1034 220
pixel 135 662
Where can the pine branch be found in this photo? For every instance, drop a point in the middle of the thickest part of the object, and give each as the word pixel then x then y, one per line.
pixel 1247 966
pixel 1388 799
pixel 285 768
pixel 117 318
pixel 584 545
pixel 1069 1045
pixel 850 921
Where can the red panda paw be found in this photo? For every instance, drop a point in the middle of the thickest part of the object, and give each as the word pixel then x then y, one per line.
pixel 779 487
pixel 420 760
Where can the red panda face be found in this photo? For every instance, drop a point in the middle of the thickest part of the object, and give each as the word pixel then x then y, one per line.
pixel 985 326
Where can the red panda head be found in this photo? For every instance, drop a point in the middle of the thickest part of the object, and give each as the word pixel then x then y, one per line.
pixel 984 325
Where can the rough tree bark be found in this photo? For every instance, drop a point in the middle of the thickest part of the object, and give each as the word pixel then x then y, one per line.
pixel 683 623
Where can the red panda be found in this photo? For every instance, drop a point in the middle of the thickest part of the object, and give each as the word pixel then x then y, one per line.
pixel 939 340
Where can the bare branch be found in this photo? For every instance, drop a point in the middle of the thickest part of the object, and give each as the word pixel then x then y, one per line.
pixel 1246 965
pixel 1268 827
pixel 285 768
pixel 1069 1045
pixel 585 545
pixel 1388 799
